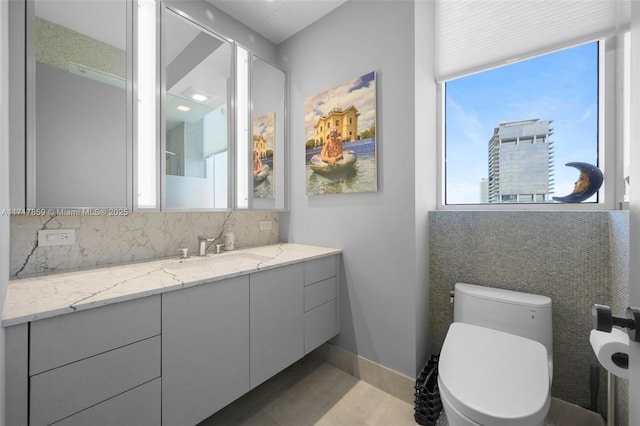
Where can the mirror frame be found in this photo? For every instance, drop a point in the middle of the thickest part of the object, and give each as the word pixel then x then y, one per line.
pixel 152 199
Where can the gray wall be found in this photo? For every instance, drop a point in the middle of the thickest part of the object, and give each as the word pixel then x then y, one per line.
pixel 384 297
pixel 575 258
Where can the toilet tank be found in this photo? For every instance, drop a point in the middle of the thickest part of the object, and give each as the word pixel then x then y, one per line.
pixel 522 314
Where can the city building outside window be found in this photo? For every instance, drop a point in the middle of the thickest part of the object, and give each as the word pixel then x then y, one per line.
pixel 510 131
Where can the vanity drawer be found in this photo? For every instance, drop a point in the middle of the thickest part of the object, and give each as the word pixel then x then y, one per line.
pixel 68 338
pixel 320 325
pixel 61 392
pixel 139 407
pixel 319 269
pixel 319 293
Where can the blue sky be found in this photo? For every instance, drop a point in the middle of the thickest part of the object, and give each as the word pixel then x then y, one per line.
pixel 562 87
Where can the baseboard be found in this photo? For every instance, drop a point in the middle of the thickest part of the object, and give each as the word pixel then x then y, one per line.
pixel 383 378
pixel 402 387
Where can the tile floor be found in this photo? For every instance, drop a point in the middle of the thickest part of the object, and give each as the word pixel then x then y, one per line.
pixel 312 392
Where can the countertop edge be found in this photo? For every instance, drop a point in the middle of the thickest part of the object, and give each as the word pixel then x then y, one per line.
pixel 152 265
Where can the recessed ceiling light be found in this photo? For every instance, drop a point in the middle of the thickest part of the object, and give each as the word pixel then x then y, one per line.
pixel 197 94
pixel 183 108
pixel 198 97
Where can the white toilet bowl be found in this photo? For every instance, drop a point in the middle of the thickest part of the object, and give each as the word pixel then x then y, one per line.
pixel 488 377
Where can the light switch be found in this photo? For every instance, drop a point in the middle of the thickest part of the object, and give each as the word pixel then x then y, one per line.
pixel 56 237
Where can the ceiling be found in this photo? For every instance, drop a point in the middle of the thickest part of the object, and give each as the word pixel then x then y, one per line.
pixel 277 20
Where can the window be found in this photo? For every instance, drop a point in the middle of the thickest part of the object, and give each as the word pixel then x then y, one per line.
pixel 475 36
pixel 509 131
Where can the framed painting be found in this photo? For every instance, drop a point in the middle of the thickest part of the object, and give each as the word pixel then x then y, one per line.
pixel 340 146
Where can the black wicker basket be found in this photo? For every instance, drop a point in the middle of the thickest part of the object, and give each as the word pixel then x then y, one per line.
pixel 427 395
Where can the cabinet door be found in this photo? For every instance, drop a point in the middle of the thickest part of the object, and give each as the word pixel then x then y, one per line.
pixel 140 407
pixel 69 338
pixel 205 349
pixel 277 321
pixel 17 374
pixel 319 269
pixel 320 315
pixel 63 391
pixel 320 325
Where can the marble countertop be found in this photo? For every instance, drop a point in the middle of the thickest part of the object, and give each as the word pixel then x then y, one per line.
pixel 44 296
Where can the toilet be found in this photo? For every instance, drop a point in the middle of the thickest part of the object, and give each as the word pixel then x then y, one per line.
pixel 496 366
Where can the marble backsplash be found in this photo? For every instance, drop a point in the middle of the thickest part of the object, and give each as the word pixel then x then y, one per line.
pixel 102 240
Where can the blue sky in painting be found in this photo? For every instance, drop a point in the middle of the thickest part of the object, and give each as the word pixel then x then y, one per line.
pixel 363 82
pixel 562 87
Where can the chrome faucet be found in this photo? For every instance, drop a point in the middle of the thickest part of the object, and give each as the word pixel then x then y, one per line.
pixel 202 244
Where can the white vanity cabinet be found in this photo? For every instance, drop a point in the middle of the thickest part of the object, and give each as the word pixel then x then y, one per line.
pixel 205 349
pixel 221 339
pixel 277 321
pixel 173 358
pixel 101 364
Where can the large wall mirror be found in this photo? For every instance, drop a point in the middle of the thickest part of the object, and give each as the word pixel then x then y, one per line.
pixel 268 159
pixel 187 142
pixel 78 141
pixel 197 81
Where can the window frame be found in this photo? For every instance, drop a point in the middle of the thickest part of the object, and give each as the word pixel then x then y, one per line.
pixel 610 128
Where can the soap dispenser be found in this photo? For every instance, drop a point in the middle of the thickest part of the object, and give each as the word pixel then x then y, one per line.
pixel 229 240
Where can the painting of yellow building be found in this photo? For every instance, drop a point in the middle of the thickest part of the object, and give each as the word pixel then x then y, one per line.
pixel 340 142
pixel 260 145
pixel 345 120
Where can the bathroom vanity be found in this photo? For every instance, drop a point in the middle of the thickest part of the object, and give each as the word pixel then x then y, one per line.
pixel 167 341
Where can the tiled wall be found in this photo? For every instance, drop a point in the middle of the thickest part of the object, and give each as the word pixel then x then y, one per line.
pixel 575 258
pixel 102 240
pixel 620 296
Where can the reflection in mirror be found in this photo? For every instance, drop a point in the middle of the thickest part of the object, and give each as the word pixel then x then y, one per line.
pixel 263 128
pixel 77 143
pixel 268 94
pixel 197 76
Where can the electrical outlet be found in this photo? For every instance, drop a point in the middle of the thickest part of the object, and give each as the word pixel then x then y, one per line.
pixel 56 237
pixel 266 225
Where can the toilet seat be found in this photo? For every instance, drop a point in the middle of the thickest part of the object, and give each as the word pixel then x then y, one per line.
pixel 494 378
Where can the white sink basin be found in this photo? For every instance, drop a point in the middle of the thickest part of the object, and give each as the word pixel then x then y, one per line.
pixel 215 259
